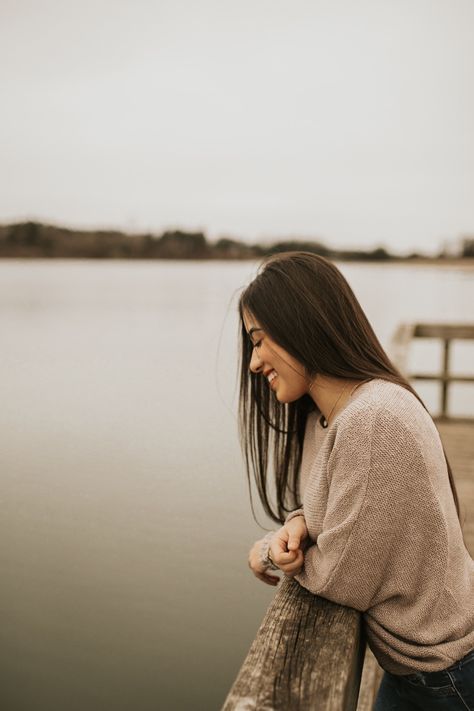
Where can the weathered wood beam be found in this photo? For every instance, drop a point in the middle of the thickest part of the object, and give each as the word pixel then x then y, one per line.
pixel 444 330
pixel 308 654
pixel 442 378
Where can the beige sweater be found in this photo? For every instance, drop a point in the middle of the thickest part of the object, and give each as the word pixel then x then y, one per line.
pixel 386 537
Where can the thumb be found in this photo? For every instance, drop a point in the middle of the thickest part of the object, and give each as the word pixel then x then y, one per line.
pixel 294 541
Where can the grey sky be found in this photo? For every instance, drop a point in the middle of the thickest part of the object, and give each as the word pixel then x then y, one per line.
pixel 352 122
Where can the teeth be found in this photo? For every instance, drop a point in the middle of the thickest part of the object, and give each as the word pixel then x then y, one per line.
pixel 271 376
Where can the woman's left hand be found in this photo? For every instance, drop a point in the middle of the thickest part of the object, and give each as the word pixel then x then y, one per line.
pixel 286 546
pixel 258 568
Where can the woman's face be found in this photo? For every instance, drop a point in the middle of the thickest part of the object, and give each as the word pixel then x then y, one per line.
pixel 284 374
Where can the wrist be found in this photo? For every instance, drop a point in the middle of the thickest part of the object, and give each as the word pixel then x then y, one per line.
pixel 294 514
pixel 265 559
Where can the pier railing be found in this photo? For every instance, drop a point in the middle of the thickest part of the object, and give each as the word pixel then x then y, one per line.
pixel 447 332
pixel 308 654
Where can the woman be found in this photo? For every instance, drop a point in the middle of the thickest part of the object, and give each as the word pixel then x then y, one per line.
pixel 364 492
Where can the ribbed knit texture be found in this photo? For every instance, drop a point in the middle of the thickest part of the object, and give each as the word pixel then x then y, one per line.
pixel 386 536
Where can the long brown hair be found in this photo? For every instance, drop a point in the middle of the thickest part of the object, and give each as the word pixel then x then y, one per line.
pixel 304 303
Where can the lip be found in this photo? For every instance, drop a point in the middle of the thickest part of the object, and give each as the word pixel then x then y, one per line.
pixel 267 373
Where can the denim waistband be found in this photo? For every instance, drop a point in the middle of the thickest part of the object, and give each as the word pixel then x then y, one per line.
pixel 440 676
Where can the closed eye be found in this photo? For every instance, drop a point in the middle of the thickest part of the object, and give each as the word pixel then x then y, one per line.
pixel 250 333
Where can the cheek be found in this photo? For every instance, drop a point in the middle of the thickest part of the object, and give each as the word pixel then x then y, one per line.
pixel 295 385
pixel 294 374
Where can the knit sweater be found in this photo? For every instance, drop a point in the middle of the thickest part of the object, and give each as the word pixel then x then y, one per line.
pixel 385 537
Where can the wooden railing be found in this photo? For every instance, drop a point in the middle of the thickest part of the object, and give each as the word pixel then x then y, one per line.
pixel 447 332
pixel 308 654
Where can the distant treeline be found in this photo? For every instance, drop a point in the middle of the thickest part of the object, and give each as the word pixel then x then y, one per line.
pixel 33 239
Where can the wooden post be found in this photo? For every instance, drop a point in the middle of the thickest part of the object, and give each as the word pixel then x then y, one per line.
pixel 399 346
pixel 445 376
pixel 308 654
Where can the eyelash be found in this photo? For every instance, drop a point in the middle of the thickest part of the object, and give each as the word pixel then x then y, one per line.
pixel 258 344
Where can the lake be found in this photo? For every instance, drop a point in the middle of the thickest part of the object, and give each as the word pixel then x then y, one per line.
pixel 125 511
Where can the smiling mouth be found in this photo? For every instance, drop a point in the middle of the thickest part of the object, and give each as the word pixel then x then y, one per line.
pixel 272 376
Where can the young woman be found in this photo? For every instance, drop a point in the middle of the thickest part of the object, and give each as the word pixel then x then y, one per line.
pixel 363 489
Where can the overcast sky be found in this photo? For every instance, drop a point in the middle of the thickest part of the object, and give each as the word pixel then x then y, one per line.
pixel 350 122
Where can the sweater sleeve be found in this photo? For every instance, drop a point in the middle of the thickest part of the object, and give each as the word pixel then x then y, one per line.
pixel 377 492
pixel 293 514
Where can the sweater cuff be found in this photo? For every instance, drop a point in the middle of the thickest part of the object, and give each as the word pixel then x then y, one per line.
pixel 264 548
pixel 294 514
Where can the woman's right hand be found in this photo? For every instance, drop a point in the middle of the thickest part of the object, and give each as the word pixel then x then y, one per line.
pixel 257 567
pixel 289 544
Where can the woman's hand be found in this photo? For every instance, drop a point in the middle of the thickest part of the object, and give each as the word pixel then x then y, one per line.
pixel 286 550
pixel 257 567
pixel 287 545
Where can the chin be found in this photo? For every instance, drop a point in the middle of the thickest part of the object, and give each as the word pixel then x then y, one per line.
pixel 280 397
pixel 286 399
pixel 286 396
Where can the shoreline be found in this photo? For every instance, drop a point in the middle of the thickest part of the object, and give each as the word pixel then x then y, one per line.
pixel 466 262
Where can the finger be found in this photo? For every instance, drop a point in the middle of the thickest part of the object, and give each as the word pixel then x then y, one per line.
pixel 291 566
pixel 269 579
pixel 292 571
pixel 282 533
pixel 294 542
pixel 282 557
pixel 278 548
pixel 261 571
pixel 297 533
pixel 280 539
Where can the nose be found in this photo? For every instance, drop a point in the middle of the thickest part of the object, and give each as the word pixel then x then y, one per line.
pixel 255 362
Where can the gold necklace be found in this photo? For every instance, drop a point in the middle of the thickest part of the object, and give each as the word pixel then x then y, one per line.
pixel 325 420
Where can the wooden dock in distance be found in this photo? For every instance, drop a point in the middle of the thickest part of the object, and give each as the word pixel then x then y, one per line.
pixel 447 333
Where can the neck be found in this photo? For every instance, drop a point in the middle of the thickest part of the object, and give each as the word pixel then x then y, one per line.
pixel 331 394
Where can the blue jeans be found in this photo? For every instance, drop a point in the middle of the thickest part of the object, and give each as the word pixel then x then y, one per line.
pixel 451 688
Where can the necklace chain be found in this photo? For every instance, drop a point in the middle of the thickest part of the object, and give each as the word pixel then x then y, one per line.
pixel 325 420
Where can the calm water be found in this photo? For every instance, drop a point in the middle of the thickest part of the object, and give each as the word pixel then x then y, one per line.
pixel 124 507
